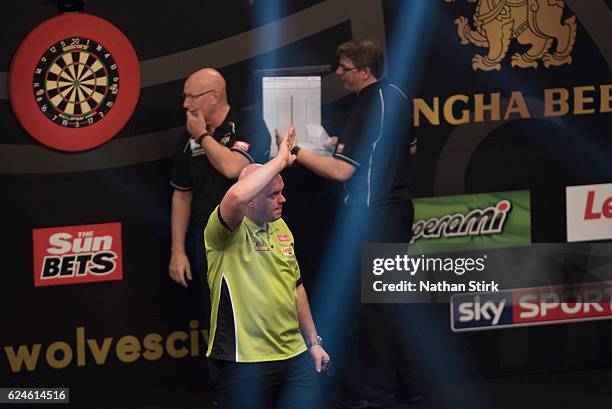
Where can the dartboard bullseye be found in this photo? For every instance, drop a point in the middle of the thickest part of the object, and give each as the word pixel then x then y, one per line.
pixel 74 82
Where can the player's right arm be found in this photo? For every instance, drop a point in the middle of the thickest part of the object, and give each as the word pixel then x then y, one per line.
pixel 180 269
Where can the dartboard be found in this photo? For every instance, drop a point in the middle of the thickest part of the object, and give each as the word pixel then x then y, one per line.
pixel 82 78
pixel 76 82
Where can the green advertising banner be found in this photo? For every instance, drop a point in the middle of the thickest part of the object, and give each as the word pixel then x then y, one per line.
pixel 473 221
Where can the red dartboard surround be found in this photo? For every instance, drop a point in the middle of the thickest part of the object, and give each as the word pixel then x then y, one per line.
pixel 74 82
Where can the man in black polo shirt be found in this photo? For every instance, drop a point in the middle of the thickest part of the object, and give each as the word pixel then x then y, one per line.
pixel 372 158
pixel 218 143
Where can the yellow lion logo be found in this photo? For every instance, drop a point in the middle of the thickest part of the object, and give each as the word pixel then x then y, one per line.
pixel 533 22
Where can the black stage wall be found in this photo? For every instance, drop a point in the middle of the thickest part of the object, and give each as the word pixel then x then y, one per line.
pixel 139 332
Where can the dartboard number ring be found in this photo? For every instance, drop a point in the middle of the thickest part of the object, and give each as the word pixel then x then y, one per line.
pixel 76 82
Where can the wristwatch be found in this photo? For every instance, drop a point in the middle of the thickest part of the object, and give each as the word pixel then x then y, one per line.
pixel 295 150
pixel 204 135
pixel 317 341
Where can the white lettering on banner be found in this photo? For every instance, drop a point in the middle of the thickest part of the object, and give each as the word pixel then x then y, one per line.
pixel 589 212
pixel 77 254
pixel 543 305
pixel 476 311
pixel 478 222
pixel 64 243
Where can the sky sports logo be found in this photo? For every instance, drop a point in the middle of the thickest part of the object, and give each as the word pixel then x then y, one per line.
pixel 77 254
pixel 531 306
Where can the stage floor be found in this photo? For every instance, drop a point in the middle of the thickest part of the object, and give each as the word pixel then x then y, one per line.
pixel 561 390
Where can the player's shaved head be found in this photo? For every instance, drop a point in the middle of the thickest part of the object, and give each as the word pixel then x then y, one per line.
pixel 248 169
pixel 209 78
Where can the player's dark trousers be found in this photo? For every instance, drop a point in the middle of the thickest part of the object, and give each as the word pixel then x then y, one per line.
pixel 287 384
pixel 198 289
pixel 198 293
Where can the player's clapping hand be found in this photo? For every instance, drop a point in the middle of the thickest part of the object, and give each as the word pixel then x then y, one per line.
pixel 281 137
pixel 287 142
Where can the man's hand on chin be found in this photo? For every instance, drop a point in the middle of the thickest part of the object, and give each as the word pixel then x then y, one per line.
pixel 195 123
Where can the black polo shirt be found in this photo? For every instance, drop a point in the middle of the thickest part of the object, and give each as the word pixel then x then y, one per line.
pixel 376 139
pixel 241 131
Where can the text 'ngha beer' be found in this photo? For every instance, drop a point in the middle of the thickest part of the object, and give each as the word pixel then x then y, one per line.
pixel 463 109
pixel 77 254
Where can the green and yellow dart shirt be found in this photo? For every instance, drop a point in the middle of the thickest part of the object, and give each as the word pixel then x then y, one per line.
pixel 252 274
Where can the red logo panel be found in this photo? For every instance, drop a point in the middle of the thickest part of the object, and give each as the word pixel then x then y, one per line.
pixel 74 82
pixel 283 237
pixel 243 146
pixel 77 254
pixel 562 303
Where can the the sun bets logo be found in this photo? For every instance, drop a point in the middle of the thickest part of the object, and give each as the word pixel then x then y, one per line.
pixel 77 254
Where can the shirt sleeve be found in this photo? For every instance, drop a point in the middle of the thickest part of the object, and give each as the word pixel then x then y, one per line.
pixel 181 180
pixel 217 234
pixel 296 268
pixel 252 138
pixel 361 129
pixel 397 120
pixel 298 272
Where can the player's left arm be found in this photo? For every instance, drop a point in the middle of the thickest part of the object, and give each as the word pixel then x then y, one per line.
pixel 308 329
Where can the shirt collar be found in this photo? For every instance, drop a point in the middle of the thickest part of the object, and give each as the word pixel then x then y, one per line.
pixel 271 226
pixel 373 87
pixel 229 123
